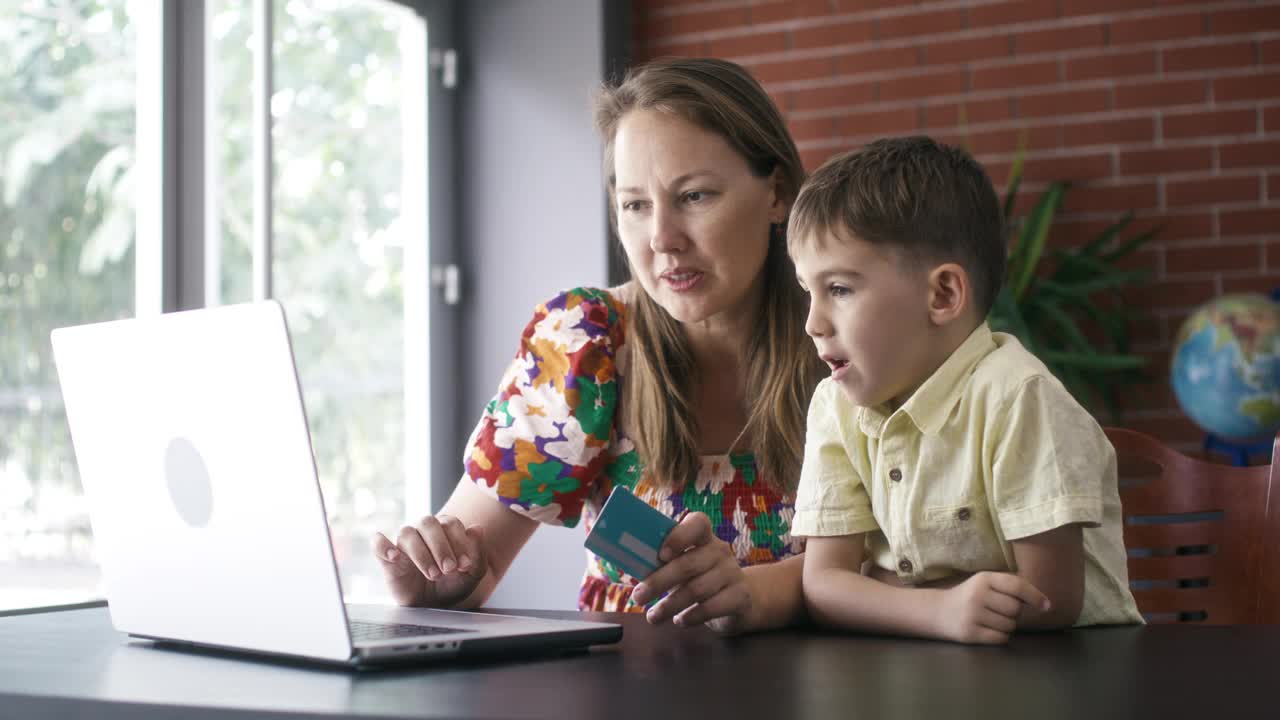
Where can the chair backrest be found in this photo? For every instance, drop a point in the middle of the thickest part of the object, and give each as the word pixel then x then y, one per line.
pixel 1197 534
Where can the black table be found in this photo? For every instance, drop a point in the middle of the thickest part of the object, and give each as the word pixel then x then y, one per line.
pixel 73 664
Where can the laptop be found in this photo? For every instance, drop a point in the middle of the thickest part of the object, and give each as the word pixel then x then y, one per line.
pixel 208 520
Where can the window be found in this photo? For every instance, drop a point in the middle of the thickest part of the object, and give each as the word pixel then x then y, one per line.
pixel 67 184
pixel 347 251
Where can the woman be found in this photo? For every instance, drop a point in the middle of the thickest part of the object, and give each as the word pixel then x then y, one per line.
pixel 689 384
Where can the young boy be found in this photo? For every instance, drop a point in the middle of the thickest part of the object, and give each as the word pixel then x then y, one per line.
pixel 981 493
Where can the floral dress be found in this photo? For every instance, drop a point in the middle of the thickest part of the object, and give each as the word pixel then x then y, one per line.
pixel 549 446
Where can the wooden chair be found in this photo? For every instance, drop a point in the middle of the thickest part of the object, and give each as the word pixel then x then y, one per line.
pixel 1202 540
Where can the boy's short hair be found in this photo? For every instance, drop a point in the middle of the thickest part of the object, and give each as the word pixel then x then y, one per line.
pixel 932 201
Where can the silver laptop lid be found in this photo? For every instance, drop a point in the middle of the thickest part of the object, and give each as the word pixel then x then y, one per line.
pixel 192 444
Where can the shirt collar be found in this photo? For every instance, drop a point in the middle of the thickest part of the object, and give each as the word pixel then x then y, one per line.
pixel 931 403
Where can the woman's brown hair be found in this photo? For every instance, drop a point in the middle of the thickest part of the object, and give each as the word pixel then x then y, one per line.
pixel 782 367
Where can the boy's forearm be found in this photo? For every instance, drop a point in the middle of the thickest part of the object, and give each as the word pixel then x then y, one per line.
pixel 838 597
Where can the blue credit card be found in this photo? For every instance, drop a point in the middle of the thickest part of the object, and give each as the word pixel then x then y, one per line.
pixel 629 533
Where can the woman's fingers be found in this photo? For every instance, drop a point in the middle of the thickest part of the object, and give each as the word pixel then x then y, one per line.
pixel 692 531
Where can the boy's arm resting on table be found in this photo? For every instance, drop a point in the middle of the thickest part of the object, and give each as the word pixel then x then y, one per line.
pixel 983 609
pixel 836 593
pixel 1053 562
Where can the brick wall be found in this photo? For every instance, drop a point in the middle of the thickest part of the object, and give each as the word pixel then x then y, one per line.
pixel 1167 107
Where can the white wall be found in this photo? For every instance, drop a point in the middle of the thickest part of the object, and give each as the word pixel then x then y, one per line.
pixel 533 214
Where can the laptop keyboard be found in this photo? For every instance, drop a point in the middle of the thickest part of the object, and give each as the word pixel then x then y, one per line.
pixel 362 631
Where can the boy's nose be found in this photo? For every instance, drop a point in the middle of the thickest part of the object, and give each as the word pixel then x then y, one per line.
pixel 815 324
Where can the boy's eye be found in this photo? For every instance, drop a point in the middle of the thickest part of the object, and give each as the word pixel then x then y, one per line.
pixel 838 291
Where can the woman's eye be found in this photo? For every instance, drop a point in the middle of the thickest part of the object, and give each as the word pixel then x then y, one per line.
pixel 695 196
pixel 632 206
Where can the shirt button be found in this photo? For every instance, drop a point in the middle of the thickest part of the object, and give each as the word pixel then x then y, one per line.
pixel 895 475
pixel 905 566
pixel 963 514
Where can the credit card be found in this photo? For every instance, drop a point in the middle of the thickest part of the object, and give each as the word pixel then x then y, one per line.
pixel 629 533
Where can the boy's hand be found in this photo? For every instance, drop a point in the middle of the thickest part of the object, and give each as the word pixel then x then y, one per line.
pixel 984 609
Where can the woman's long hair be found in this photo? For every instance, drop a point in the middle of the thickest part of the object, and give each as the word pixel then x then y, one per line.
pixel 781 365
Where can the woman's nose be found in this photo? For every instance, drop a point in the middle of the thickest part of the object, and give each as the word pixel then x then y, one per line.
pixel 667 233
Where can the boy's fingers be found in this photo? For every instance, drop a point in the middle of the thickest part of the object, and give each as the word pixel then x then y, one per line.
pixel 998 621
pixel 1022 590
pixel 693 530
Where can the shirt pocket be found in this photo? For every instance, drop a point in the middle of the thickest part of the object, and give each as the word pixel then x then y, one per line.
pixel 961 538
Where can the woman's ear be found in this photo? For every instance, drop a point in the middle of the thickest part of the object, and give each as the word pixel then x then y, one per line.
pixel 950 293
pixel 779 203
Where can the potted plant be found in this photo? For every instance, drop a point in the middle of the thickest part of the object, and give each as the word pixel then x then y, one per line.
pixel 1065 304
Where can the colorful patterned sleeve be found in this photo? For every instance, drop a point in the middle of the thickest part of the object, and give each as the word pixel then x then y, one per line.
pixel 540 444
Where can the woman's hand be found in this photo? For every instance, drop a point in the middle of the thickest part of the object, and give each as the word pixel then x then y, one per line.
pixel 435 563
pixel 705 583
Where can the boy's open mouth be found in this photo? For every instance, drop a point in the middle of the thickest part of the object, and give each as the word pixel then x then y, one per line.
pixel 835 363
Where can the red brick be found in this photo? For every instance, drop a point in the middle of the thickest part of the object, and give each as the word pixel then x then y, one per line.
pixel 1165 160
pixel 1069 102
pixel 787 10
pixel 847 33
pixel 1273 186
pixel 1265 86
pixel 1161 29
pixel 1212 190
pixel 858 5
pixel 970 112
pixel 1109 132
pixel 1269 52
pixel 1259 221
pixel 811 158
pixel 1108 198
pixel 695 49
pixel 1009 140
pixel 1162 94
pixel 1242 21
pixel 1208 57
pixel 1025 74
pixel 878 122
pixel 1208 123
pixel 1271 258
pixel 1212 258
pixel 732 47
pixel 791 70
pixel 876 60
pixel 1249 154
pixel 1072 167
pixel 1168 293
pixel 934 84
pixel 919 24
pixel 1261 284
pixel 1184 225
pixel 986 47
pixel 834 95
pixel 1072 8
pixel 1057 39
pixel 693 22
pixel 1271 119
pixel 1007 13
pixel 812 128
pixel 1111 65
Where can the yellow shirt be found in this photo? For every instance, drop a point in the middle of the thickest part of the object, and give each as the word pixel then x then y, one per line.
pixel 991 448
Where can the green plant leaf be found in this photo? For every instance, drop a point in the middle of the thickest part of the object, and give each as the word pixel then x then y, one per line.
pixel 1105 237
pixel 1096 361
pixel 1132 244
pixel 1031 240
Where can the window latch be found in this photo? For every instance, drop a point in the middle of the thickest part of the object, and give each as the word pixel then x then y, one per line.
pixel 448 279
pixel 446 61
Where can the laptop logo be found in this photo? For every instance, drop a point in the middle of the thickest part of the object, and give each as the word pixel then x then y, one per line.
pixel 187 477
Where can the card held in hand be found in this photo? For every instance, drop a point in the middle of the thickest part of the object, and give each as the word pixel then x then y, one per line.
pixel 629 533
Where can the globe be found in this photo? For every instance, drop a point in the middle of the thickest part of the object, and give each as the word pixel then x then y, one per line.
pixel 1226 366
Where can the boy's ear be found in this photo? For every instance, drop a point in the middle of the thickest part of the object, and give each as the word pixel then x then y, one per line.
pixel 950 293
